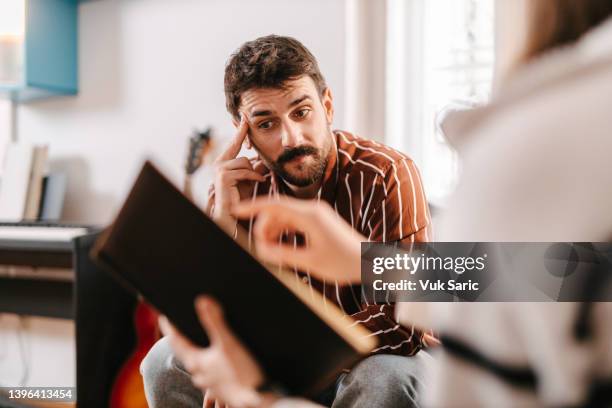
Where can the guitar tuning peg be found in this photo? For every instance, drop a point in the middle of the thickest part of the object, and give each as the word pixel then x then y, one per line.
pixel 198 135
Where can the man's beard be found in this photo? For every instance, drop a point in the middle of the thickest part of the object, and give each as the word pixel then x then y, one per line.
pixel 311 173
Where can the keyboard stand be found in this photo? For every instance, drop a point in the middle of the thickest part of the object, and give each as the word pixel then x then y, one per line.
pixel 102 309
pixel 36 296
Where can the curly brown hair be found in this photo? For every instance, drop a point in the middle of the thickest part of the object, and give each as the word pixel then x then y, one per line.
pixel 268 62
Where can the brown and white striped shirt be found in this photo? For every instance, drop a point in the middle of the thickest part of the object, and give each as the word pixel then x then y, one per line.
pixel 377 190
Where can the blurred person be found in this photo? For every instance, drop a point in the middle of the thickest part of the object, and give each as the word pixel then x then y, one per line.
pixel 545 142
pixel 282 107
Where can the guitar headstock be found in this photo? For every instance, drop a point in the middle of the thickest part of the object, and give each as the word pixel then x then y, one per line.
pixel 199 145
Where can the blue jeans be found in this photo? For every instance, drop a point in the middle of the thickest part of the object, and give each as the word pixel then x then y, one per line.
pixel 379 381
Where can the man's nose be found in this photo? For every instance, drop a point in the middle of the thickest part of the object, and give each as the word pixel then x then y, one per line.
pixel 292 136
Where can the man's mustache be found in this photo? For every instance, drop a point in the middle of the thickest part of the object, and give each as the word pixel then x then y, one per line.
pixel 290 154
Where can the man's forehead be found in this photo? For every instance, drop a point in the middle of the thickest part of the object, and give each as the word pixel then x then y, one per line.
pixel 275 99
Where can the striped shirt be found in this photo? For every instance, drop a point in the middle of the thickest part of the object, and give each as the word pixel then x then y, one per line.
pixel 378 191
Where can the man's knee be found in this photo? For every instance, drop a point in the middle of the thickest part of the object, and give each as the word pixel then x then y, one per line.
pixel 387 370
pixel 164 377
pixel 382 380
pixel 158 363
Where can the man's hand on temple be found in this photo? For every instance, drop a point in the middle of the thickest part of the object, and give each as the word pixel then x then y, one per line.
pixel 230 170
pixel 225 371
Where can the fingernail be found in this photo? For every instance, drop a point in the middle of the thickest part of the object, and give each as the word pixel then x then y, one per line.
pixel 202 302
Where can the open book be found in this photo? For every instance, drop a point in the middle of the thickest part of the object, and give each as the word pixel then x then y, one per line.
pixel 169 251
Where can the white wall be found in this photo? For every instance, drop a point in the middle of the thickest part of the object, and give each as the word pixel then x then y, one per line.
pixel 5 128
pixel 39 351
pixel 150 70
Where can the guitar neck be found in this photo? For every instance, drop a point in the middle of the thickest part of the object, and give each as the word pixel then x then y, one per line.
pixel 187 186
pixel 199 145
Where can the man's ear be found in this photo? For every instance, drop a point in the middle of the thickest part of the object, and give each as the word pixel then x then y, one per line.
pixel 328 104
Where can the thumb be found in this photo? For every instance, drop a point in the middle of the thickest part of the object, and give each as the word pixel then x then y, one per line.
pixel 211 316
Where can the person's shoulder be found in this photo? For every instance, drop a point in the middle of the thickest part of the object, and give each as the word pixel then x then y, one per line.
pixel 361 154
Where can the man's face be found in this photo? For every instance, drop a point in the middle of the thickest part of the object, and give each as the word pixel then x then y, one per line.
pixel 290 128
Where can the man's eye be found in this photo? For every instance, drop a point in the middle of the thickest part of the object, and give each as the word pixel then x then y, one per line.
pixel 302 113
pixel 265 125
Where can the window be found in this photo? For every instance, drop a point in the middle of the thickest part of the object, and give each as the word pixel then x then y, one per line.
pixel 439 52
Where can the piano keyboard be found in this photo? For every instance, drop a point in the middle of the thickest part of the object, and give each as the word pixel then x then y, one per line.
pixel 36 273
pixel 33 231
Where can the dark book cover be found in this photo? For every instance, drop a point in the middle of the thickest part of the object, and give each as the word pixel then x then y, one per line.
pixel 168 250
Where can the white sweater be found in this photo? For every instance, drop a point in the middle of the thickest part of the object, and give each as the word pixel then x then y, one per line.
pixel 537 166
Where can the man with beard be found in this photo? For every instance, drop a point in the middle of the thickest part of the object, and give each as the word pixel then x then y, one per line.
pixel 282 108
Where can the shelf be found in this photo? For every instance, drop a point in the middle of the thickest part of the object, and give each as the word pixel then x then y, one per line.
pixel 46 54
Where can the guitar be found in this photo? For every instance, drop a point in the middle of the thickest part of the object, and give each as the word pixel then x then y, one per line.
pixel 200 144
pixel 128 389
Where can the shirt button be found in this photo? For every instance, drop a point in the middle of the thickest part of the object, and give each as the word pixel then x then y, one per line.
pixel 305 279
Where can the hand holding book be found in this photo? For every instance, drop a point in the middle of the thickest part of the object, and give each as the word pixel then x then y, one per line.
pixel 172 260
pixel 226 370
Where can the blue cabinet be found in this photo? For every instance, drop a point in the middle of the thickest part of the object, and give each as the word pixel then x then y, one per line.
pixel 38 48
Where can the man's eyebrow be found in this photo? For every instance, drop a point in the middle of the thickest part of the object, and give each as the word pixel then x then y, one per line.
pixel 261 113
pixel 269 112
pixel 299 100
